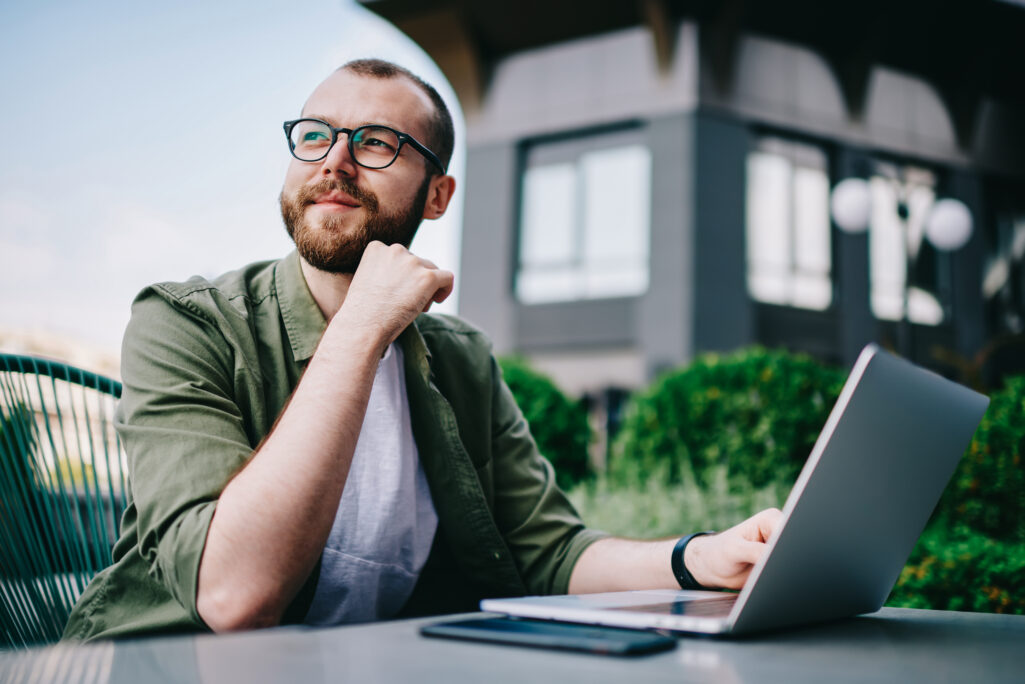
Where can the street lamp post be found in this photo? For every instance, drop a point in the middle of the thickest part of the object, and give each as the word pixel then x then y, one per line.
pixel 948 227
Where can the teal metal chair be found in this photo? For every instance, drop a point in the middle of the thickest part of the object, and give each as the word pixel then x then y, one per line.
pixel 62 491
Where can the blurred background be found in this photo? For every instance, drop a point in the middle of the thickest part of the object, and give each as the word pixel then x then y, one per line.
pixel 678 220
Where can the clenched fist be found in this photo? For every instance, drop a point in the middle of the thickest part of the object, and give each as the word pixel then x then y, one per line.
pixel 389 289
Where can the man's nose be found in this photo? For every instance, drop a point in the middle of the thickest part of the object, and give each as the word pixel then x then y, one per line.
pixel 338 159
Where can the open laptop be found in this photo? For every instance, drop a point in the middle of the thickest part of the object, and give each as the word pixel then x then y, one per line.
pixel 891 443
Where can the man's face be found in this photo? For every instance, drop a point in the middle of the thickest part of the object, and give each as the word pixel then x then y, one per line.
pixel 333 208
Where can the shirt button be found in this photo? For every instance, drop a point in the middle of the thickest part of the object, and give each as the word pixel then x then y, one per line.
pixel 497 555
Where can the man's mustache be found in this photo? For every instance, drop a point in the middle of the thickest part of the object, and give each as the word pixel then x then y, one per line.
pixel 309 193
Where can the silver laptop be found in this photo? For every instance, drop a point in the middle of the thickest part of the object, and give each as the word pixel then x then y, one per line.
pixel 891 443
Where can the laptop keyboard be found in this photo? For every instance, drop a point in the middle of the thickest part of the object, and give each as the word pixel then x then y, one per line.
pixel 704 607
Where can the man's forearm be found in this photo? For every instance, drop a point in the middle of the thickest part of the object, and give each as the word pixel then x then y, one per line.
pixel 274 517
pixel 623 565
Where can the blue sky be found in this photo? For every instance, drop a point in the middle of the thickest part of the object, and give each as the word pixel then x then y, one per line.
pixel 142 142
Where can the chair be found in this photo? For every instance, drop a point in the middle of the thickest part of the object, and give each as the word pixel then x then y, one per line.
pixel 62 491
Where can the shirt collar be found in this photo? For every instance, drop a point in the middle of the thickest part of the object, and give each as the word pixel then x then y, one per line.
pixel 303 319
pixel 305 323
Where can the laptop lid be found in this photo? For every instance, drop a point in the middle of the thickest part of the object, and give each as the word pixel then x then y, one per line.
pixel 878 468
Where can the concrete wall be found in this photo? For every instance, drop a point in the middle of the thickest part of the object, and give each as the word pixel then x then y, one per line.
pixel 584 83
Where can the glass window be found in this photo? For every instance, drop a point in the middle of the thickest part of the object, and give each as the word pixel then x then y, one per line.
pixel 901 201
pixel 1003 283
pixel 789 251
pixel 585 220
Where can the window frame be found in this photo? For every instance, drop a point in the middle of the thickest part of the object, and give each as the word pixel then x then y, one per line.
pixel 765 139
pixel 571 146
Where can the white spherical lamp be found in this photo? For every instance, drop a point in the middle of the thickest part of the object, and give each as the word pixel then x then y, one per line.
pixel 949 225
pixel 851 205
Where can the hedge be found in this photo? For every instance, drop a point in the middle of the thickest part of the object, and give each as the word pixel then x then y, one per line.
pixel 957 571
pixel 559 426
pixel 987 492
pixel 755 411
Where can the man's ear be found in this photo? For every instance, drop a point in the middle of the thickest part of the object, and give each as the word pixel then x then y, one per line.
pixel 439 194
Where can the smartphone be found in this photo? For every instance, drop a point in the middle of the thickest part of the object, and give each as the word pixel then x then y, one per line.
pixel 547 634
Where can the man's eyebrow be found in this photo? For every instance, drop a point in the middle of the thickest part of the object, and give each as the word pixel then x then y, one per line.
pixel 306 115
pixel 361 123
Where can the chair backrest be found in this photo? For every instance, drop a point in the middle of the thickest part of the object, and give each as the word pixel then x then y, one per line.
pixel 62 491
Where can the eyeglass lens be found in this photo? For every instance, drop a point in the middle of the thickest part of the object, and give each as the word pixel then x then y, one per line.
pixel 372 146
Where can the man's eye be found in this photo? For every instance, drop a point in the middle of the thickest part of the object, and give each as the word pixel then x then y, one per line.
pixel 314 137
pixel 376 142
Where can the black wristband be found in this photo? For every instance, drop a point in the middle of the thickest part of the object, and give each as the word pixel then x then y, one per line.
pixel 680 570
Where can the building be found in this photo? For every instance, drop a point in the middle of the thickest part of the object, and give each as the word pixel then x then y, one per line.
pixel 648 180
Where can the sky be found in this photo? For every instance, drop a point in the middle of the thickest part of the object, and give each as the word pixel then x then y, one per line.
pixel 143 142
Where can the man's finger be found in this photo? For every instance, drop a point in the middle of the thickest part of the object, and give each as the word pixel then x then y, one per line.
pixel 768 521
pixel 449 281
pixel 749 552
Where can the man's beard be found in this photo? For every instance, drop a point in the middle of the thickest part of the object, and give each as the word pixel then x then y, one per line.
pixel 333 248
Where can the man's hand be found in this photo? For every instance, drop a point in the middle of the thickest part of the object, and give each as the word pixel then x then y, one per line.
pixel 390 288
pixel 726 559
pixel 721 560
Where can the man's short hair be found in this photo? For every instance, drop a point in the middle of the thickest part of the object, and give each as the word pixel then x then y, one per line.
pixel 440 131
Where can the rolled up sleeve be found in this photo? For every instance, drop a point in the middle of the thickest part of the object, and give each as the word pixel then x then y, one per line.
pixel 183 434
pixel 542 529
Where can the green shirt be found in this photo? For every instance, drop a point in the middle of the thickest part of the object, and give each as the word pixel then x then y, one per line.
pixel 208 366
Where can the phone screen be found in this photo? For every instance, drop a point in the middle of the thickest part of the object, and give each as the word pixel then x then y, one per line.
pixel 548 634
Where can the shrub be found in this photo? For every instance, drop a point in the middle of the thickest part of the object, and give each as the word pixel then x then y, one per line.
pixel 559 426
pixel 756 412
pixel 987 492
pixel 962 571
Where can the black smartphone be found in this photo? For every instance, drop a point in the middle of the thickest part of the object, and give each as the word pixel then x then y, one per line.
pixel 547 634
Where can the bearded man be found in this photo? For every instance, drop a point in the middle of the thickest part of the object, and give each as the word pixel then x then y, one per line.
pixel 307 445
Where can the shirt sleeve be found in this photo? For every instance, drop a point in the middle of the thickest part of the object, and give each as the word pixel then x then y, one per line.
pixel 542 529
pixel 182 431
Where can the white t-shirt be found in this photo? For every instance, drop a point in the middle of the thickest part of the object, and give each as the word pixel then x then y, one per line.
pixel 386 521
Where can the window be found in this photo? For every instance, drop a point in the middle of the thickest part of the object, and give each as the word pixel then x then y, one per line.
pixel 902 198
pixel 585 219
pixel 1003 283
pixel 789 252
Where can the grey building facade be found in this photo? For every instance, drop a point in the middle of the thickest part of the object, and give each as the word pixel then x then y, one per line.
pixel 649 180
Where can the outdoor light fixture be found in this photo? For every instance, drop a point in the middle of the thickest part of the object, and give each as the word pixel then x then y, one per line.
pixel 948 227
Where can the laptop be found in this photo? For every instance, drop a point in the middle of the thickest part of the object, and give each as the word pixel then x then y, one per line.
pixel 888 449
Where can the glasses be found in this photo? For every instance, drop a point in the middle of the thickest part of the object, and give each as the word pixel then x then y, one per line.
pixel 373 146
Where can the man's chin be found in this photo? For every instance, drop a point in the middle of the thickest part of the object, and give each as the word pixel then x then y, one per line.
pixel 344 263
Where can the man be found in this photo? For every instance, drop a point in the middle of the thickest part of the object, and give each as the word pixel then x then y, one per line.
pixel 305 446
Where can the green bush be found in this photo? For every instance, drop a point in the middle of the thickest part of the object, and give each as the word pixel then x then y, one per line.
pixel 957 571
pixel 987 492
pixel 756 412
pixel 559 426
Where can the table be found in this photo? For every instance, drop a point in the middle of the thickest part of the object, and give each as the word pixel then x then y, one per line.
pixel 893 645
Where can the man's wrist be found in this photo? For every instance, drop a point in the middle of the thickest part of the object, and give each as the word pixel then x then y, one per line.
pixel 351 335
pixel 681 571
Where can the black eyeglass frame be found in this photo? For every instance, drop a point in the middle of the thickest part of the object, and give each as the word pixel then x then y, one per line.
pixel 350 133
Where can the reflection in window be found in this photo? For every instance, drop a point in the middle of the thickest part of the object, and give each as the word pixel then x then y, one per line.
pixel 585 219
pixel 896 230
pixel 1003 283
pixel 788 242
